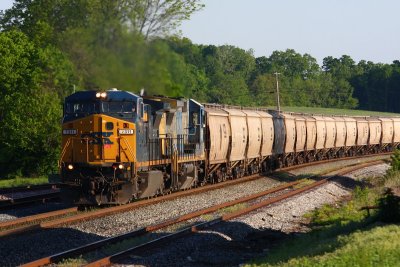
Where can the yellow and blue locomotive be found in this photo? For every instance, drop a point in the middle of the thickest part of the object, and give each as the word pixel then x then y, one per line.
pixel 118 146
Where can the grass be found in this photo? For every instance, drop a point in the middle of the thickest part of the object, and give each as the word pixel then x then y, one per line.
pixel 21 181
pixel 333 111
pixel 377 245
pixel 343 234
pixel 304 182
pixel 72 262
pixel 206 217
pixel 329 216
pixel 233 208
pixel 392 179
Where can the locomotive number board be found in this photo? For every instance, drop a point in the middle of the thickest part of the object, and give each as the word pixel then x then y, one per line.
pixel 69 132
pixel 125 131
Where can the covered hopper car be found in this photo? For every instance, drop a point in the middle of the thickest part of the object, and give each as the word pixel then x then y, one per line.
pixel 118 146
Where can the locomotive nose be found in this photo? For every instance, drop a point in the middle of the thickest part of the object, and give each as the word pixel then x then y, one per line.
pixel 90 140
pixel 94 140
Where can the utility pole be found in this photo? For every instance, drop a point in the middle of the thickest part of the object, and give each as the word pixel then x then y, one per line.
pixel 277 92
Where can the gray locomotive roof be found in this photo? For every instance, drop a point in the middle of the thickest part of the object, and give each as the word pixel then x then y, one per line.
pixel 112 95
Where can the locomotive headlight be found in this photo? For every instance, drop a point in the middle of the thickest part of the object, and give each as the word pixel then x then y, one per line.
pixel 70 167
pixel 98 95
pixel 118 166
pixel 103 94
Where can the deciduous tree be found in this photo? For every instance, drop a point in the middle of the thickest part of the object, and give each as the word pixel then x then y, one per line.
pixel 29 111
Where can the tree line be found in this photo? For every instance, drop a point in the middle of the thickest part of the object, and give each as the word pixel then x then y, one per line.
pixel 49 48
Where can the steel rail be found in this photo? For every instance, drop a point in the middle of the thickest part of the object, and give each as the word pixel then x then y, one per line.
pixel 141 203
pixel 109 260
pixel 127 207
pixel 33 218
pixel 8 190
pixel 42 197
pixel 313 163
pixel 142 231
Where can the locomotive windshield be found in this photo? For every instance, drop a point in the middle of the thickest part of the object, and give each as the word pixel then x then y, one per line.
pixel 120 109
pixel 79 108
pixel 117 109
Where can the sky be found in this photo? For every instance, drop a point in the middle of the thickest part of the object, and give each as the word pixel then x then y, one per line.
pixel 362 29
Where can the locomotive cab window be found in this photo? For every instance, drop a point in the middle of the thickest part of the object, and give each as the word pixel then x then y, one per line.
pixel 80 108
pixel 193 122
pixel 109 126
pixel 194 118
pixel 120 109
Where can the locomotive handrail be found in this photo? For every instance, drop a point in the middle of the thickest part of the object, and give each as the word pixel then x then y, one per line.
pixel 64 151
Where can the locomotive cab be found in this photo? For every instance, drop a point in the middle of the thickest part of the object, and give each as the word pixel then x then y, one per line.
pixel 98 146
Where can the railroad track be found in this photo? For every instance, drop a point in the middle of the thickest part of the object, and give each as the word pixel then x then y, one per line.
pixel 52 220
pixel 71 215
pixel 26 188
pixel 313 163
pixel 67 216
pixel 284 191
pixel 15 196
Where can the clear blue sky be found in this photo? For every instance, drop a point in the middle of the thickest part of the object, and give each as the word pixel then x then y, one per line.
pixel 363 29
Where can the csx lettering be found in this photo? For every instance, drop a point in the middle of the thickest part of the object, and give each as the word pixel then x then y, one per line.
pixel 98 138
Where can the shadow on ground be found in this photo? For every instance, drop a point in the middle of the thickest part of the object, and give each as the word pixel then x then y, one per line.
pixel 23 248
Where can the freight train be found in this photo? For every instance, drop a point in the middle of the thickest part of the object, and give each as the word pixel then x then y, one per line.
pixel 118 146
